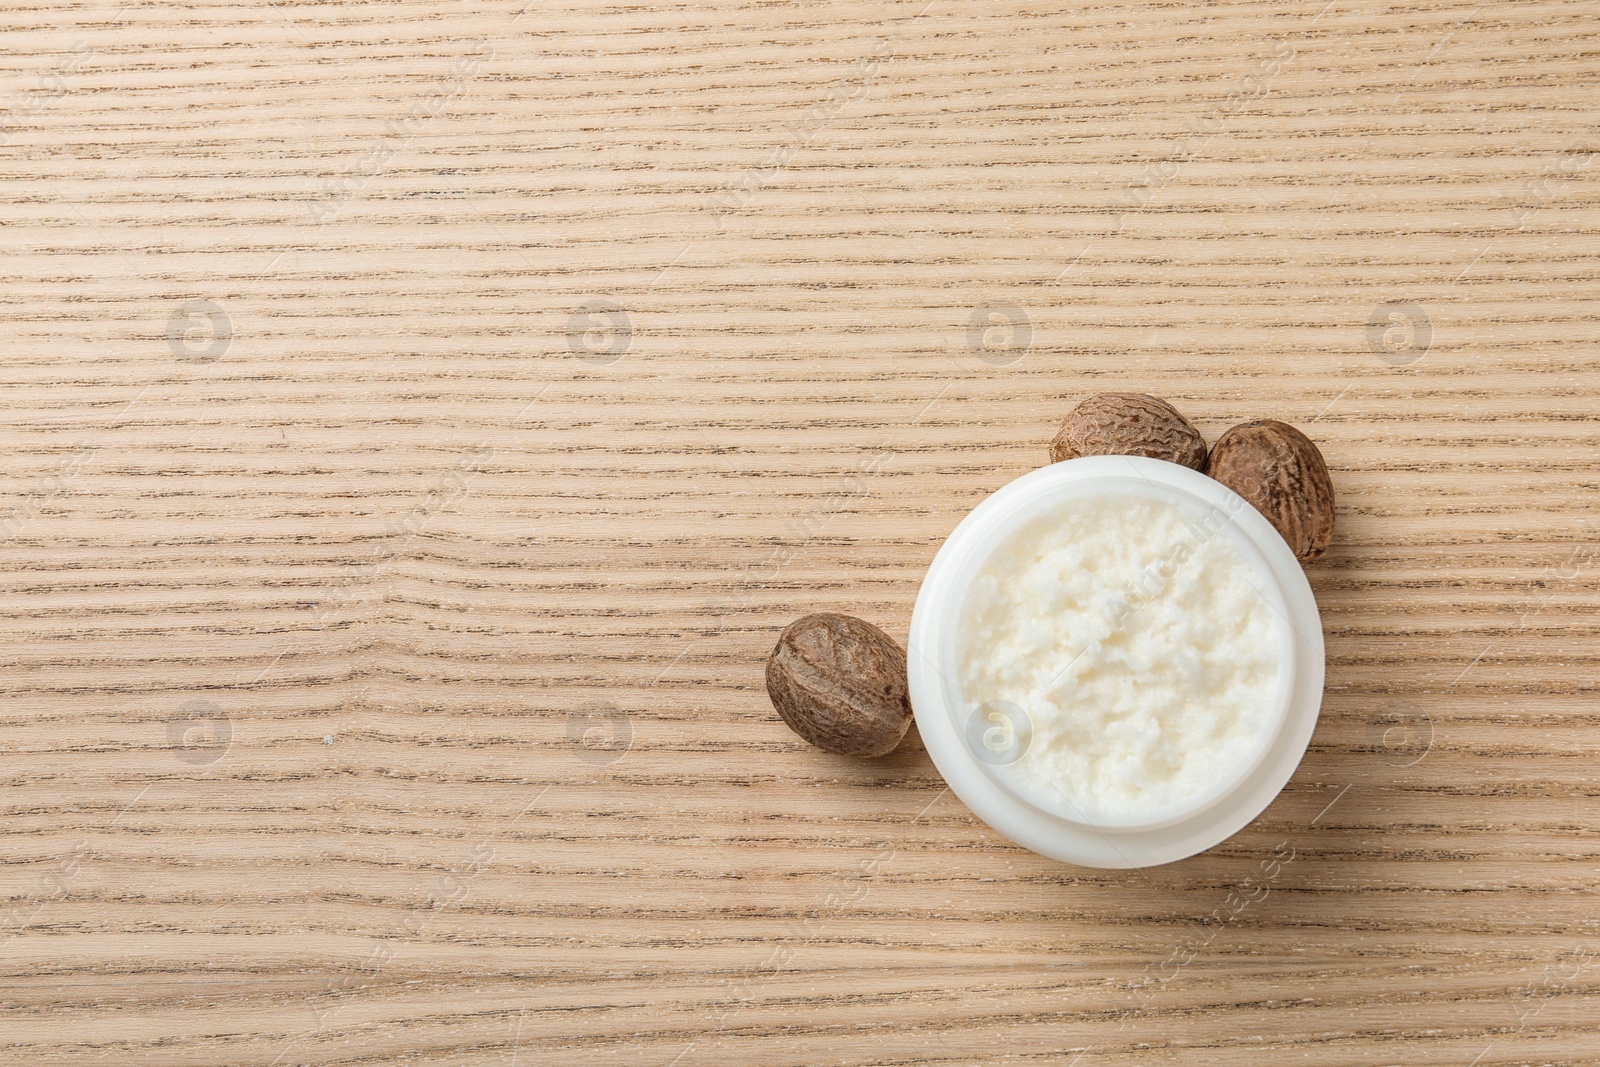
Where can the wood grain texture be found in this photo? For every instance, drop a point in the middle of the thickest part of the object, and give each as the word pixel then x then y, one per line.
pixel 422 417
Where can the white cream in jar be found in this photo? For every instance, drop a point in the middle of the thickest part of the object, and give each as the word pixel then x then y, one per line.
pixel 1120 644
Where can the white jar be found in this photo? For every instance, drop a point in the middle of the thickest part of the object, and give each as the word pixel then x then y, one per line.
pixel 959 733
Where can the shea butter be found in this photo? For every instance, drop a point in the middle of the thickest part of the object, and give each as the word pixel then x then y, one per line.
pixel 1121 656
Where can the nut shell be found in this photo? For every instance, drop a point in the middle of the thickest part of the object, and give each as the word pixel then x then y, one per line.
pixel 840 683
pixel 1282 474
pixel 1129 424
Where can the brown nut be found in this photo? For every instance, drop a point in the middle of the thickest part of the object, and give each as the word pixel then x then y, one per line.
pixel 1129 424
pixel 1282 474
pixel 840 683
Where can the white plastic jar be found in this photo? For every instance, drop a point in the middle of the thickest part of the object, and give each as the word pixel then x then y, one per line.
pixel 999 726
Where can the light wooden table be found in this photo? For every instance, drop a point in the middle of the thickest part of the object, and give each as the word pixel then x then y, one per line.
pixel 421 418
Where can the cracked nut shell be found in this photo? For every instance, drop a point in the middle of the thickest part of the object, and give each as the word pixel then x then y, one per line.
pixel 1282 474
pixel 840 683
pixel 1129 424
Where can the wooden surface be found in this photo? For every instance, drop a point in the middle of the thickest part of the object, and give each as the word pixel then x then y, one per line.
pixel 422 417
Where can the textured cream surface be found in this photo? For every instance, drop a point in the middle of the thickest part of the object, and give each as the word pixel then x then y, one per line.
pixel 1130 632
